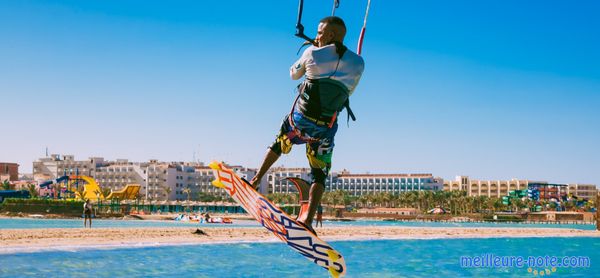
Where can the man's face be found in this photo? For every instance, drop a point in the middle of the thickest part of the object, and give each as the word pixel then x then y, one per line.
pixel 324 35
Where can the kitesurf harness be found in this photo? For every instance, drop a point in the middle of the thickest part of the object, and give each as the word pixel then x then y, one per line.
pixel 320 100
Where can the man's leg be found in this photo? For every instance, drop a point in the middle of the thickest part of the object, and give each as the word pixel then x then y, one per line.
pixel 314 200
pixel 319 157
pixel 282 144
pixel 270 158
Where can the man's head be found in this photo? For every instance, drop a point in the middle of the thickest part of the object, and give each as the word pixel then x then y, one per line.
pixel 331 29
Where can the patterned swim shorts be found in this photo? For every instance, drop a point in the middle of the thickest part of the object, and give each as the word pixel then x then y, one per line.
pixel 319 146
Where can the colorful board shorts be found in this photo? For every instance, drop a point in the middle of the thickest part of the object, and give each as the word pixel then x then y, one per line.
pixel 318 151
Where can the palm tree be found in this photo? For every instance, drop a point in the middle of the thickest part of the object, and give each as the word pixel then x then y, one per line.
pixel 335 199
pixel 6 185
pixel 490 204
pixel 106 191
pixel 385 199
pixel 362 200
pixel 187 191
pixel 204 197
pixel 80 192
pixel 32 190
pixel 516 204
pixel 498 205
pixel 343 197
pixel 481 200
pixel 167 190
pixel 403 199
pixel 277 198
pixel 411 200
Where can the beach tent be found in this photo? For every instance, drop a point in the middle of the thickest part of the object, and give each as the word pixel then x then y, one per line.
pixel 437 210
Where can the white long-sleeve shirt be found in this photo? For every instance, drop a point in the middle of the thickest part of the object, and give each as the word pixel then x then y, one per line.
pixel 321 62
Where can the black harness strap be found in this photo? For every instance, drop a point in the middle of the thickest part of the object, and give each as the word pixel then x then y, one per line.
pixel 349 111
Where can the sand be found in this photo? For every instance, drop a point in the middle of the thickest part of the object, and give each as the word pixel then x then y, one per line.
pixel 28 240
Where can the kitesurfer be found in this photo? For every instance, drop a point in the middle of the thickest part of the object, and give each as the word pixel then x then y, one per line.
pixel 331 73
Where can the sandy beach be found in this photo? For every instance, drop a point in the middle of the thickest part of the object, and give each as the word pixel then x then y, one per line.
pixel 27 240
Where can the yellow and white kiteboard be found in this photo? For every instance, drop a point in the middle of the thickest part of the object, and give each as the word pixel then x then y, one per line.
pixel 283 226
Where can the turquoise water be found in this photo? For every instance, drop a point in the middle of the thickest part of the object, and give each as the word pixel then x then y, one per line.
pixel 29 223
pixel 379 258
pixel 457 224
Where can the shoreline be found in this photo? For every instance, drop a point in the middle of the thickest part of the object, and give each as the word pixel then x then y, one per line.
pixel 249 218
pixel 73 239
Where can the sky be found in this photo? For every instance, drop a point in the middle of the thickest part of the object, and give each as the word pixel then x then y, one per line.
pixel 489 89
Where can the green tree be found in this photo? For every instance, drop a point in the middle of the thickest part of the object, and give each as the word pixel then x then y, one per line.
pixel 204 197
pixel 106 191
pixel 167 190
pixel 516 204
pixel 498 205
pixel 187 191
pixel 5 185
pixel 363 200
pixel 80 192
pixel 33 192
pixel 336 197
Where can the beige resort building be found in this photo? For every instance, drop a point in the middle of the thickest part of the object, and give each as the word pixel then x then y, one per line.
pixel 500 188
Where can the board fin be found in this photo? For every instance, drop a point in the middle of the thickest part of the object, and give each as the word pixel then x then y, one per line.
pixel 303 188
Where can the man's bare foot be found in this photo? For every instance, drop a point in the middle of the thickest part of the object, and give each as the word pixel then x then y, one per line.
pixel 308 227
pixel 254 182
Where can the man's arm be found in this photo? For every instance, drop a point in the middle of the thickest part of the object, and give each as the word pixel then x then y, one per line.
pixel 298 69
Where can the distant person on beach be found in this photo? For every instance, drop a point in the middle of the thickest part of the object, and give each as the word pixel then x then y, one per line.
pixel 87 212
pixel 319 216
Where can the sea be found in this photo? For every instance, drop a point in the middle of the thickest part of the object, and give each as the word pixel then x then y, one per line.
pixel 579 257
pixel 35 223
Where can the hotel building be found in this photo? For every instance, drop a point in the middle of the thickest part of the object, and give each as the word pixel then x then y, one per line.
pixel 158 180
pixel 585 191
pixel 56 166
pixel 496 188
pixel 275 183
pixel 362 184
pixel 500 188
pixel 355 184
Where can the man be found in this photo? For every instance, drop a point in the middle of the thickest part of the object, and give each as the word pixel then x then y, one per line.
pixel 331 74
pixel 87 212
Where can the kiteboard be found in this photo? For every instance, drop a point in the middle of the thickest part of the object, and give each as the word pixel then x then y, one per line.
pixel 282 225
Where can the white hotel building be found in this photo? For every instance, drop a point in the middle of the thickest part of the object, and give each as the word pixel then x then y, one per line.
pixel 362 184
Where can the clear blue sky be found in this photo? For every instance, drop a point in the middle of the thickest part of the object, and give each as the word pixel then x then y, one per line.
pixel 489 89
